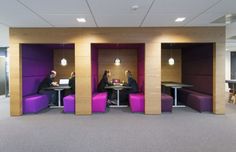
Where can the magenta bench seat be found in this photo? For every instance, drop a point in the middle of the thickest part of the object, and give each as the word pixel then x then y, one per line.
pixel 69 104
pixel 166 103
pixel 99 102
pixel 34 103
pixel 136 102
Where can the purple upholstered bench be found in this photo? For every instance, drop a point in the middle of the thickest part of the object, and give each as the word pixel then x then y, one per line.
pixel 34 103
pixel 99 102
pixel 200 102
pixel 69 103
pixel 196 100
pixel 166 103
pixel 136 101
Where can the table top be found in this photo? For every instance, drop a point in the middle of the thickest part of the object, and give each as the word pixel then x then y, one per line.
pixel 175 84
pixel 58 87
pixel 117 87
pixel 231 81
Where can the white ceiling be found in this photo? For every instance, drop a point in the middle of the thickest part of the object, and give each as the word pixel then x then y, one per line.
pixel 113 13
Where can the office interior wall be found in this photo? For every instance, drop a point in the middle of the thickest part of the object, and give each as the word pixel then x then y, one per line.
pixel 171 72
pixel 128 59
pixel 152 37
pixel 63 71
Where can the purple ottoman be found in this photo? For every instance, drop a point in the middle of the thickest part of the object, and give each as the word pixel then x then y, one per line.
pixel 99 102
pixel 136 101
pixel 69 104
pixel 200 102
pixel 34 103
pixel 166 103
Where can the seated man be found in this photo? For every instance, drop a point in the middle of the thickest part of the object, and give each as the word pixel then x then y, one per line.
pixel 72 83
pixel 48 82
pixel 124 94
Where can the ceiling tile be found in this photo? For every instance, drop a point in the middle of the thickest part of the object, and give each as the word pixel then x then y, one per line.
pixel 14 14
pixel 57 6
pixel 70 20
pixel 118 12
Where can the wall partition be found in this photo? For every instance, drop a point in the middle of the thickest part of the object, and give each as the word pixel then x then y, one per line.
pixel 84 37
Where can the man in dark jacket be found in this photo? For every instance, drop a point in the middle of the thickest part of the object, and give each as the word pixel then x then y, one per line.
pixel 124 94
pixel 48 82
pixel 72 83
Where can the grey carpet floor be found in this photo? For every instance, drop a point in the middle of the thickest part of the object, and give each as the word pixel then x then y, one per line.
pixel 183 130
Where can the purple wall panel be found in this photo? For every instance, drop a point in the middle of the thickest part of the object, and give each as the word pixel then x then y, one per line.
pixel 37 61
pixel 197 67
pixel 141 65
pixel 94 60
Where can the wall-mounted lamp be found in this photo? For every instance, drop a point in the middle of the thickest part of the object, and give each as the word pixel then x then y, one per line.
pixel 117 62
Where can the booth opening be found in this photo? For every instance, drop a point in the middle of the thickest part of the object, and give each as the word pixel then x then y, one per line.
pixel 187 76
pixel 117 76
pixel 47 76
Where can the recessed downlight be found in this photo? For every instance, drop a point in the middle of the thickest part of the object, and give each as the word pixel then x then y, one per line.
pixel 180 19
pixel 134 7
pixel 81 20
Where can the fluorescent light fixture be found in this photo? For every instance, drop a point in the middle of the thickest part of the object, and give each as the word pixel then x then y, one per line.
pixel 81 20
pixel 180 19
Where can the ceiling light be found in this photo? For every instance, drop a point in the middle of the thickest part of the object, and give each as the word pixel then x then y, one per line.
pixel 63 62
pixel 227 22
pixel 180 19
pixel 228 15
pixel 171 61
pixel 117 62
pixel 134 7
pixel 81 20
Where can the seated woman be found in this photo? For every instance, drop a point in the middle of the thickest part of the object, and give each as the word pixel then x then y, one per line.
pixel 103 83
pixel 124 94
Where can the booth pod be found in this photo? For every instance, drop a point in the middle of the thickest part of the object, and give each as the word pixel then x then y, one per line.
pixel 136 100
pixel 37 62
pixel 197 69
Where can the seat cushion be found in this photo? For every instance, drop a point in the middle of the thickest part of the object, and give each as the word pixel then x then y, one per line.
pixel 99 102
pixel 136 101
pixel 166 102
pixel 69 104
pixel 200 102
pixel 34 103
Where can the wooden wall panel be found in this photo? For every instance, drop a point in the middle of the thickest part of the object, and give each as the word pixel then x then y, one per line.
pixel 63 71
pixel 128 59
pixel 171 72
pixel 152 37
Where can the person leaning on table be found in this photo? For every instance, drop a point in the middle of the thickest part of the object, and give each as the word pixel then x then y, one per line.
pixel 124 94
pixel 72 83
pixel 49 82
